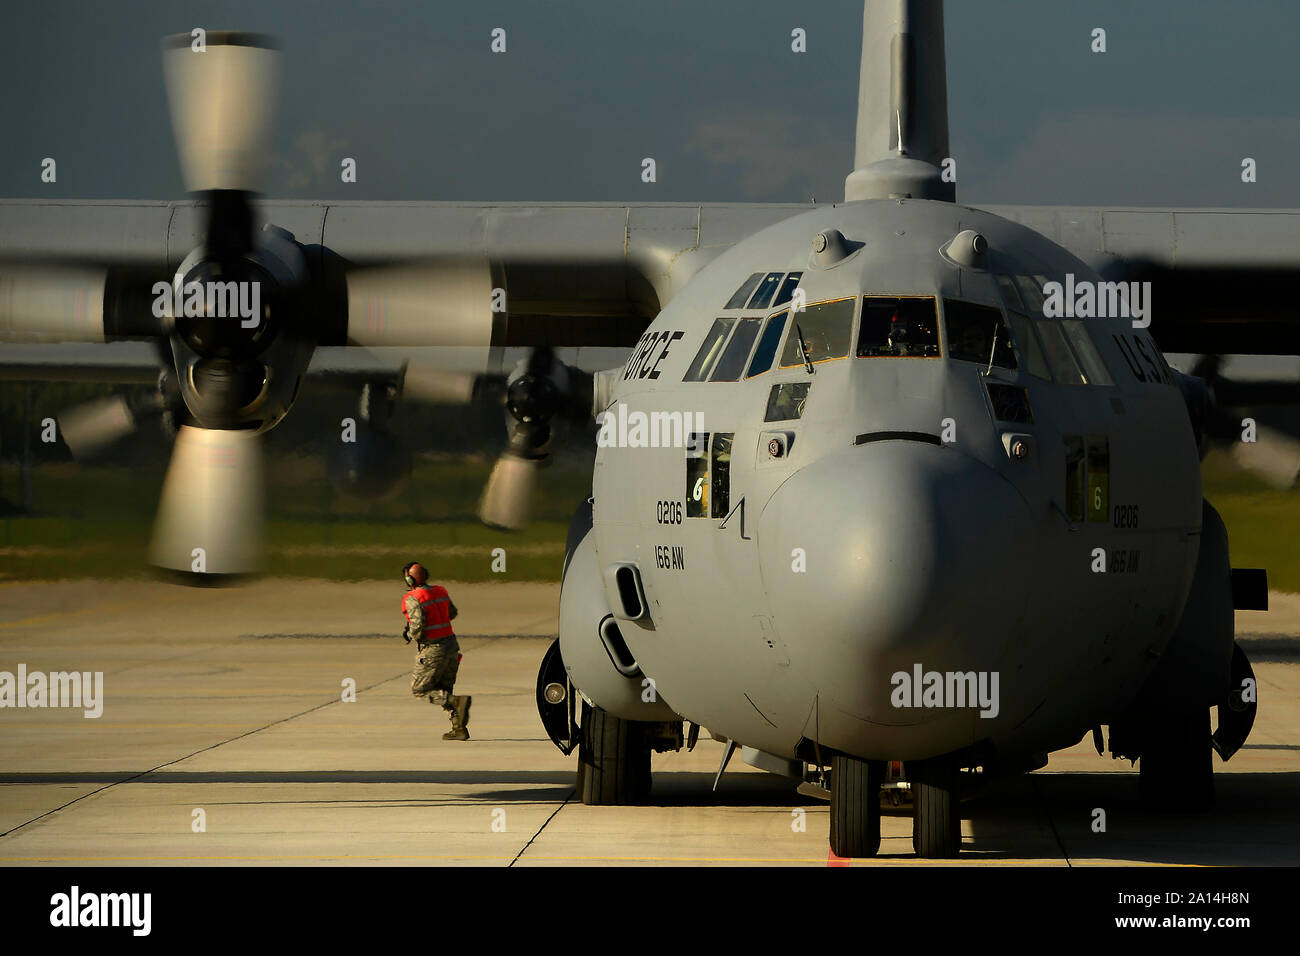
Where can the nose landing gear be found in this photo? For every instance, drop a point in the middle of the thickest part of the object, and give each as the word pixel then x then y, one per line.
pixel 855 805
pixel 855 790
pixel 936 808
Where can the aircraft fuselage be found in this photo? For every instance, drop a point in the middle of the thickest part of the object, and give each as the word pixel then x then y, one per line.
pixel 905 552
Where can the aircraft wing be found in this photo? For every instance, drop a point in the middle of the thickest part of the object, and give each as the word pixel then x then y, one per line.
pixel 423 372
pixel 591 275
pixel 112 363
pixel 575 274
pixel 1222 280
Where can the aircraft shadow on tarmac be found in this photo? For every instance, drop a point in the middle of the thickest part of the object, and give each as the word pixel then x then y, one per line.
pixel 1253 821
pixel 1042 816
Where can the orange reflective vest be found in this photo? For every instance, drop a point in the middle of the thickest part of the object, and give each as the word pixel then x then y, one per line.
pixel 437 610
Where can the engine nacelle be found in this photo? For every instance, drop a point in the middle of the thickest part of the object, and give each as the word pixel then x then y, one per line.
pixel 595 655
pixel 235 370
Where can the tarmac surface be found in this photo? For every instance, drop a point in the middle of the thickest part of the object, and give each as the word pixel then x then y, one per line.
pixel 225 739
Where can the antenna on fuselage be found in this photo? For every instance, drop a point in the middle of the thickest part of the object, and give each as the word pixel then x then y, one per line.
pixel 902 132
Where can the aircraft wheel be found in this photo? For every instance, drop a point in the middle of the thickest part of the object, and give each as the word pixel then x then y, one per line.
pixel 1177 767
pixel 855 806
pixel 936 809
pixel 613 759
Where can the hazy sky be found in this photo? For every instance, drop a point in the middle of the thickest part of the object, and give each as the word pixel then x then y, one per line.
pixel 711 90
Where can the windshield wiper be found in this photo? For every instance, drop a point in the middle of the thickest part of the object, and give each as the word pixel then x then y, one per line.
pixel 803 350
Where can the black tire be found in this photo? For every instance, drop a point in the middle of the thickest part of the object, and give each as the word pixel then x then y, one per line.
pixel 855 806
pixel 936 809
pixel 613 760
pixel 1177 767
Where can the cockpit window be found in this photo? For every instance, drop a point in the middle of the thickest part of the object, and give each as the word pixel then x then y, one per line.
pixel 733 359
pixel 1030 350
pixel 709 351
pixel 899 327
pixel 741 295
pixel 766 289
pixel 976 333
pixel 787 288
pixel 1031 293
pixel 766 350
pixel 785 402
pixel 1093 364
pixel 825 327
pixel 1064 368
pixel 1010 296
pixel 1010 403
pixel 720 478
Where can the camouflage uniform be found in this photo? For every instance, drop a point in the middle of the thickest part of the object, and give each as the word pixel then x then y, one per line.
pixel 436 665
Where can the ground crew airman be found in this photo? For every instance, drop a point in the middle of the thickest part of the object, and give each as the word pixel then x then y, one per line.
pixel 429 611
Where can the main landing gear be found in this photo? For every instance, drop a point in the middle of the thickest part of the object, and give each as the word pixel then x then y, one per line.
pixel 613 759
pixel 1176 771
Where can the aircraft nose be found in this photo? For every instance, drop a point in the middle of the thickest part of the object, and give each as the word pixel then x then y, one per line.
pixel 892 554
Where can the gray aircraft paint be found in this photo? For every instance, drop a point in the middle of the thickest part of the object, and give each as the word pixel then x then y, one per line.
pixel 898 534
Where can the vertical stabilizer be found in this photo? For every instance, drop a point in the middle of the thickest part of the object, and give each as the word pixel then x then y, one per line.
pixel 902 137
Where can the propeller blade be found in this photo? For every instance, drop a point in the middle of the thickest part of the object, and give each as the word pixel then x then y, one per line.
pixel 425 383
pixel 51 304
pixel 448 304
pixel 210 512
pixel 1207 367
pixel 222 103
pixel 1274 456
pixel 540 389
pixel 507 501
pixel 90 428
pixel 42 303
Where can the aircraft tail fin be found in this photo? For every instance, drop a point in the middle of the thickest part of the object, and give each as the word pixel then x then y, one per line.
pixel 902 135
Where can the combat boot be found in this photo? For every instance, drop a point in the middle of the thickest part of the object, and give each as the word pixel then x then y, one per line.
pixel 458 731
pixel 462 709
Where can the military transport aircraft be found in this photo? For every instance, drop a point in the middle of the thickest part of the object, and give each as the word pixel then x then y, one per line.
pixel 887 480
